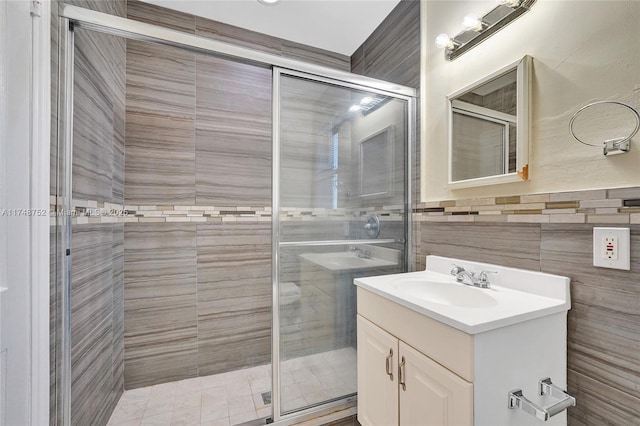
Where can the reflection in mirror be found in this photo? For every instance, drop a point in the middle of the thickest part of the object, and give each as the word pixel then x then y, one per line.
pixel 484 137
pixel 376 166
pixel 488 129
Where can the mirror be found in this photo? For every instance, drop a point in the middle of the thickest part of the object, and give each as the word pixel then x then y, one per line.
pixel 489 128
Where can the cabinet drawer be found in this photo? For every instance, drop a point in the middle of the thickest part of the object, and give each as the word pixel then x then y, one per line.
pixel 442 343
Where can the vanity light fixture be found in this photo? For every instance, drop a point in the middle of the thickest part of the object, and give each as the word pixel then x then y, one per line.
pixel 268 2
pixel 471 22
pixel 476 29
pixel 443 41
pixel 510 3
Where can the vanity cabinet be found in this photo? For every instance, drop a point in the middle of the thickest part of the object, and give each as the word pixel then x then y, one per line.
pixel 451 377
pixel 399 385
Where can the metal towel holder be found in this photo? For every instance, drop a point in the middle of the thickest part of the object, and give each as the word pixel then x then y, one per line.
pixel 611 146
pixel 545 387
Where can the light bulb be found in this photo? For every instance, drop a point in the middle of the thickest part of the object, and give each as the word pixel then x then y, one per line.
pixel 471 22
pixel 366 100
pixel 354 108
pixel 510 3
pixel 443 41
pixel 268 2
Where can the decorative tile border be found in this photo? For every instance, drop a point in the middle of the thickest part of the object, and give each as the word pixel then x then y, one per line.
pixel 621 205
pixel 91 211
pixel 602 206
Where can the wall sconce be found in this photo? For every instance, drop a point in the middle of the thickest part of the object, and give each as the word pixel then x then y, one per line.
pixel 476 29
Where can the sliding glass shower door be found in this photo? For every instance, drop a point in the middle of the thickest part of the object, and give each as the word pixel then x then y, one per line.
pixel 340 212
pixel 193 269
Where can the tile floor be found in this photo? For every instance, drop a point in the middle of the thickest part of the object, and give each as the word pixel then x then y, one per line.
pixel 236 397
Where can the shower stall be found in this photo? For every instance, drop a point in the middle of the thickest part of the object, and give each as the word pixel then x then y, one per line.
pixel 214 205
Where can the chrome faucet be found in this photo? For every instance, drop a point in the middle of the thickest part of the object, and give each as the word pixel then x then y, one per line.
pixel 481 279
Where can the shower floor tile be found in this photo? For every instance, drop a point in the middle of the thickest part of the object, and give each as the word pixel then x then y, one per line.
pixel 232 398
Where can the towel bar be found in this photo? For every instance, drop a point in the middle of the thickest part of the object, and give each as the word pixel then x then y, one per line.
pixel 545 387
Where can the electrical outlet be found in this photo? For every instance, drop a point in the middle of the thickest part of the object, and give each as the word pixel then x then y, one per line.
pixel 612 248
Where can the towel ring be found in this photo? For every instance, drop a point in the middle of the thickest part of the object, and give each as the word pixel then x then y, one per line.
pixel 617 145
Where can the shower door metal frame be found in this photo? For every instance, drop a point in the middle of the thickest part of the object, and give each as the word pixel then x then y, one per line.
pixel 63 235
pixel 278 72
pixel 71 17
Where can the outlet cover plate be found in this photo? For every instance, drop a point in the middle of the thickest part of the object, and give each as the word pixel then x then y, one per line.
pixel 622 239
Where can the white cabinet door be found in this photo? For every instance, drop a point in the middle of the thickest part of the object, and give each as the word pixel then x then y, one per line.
pixel 377 375
pixel 432 395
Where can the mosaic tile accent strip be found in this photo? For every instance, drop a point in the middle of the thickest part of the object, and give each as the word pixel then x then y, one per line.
pixel 619 205
pixel 92 212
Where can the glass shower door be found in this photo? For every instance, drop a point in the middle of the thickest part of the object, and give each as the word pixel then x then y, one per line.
pixel 340 205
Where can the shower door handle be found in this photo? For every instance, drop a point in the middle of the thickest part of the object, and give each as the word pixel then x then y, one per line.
pixel 388 366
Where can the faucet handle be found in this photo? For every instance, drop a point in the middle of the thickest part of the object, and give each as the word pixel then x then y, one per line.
pixel 483 278
pixel 455 269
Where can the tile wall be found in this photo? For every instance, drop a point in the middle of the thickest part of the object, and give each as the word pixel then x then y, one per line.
pixel 553 233
pixel 177 106
pixel 97 276
pixel 392 53
pixel 198 196
pixel 197 133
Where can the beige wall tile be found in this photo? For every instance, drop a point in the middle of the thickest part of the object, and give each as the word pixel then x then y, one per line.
pixel 535 198
pixel 607 218
pixel 598 194
pixel 530 218
pixel 600 203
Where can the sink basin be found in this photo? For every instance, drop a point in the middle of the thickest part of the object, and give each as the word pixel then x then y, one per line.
pixel 516 295
pixel 450 294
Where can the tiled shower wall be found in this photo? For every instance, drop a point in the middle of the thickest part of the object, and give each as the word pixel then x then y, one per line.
pixel 392 53
pixel 553 233
pixel 198 134
pixel 97 276
pixel 215 277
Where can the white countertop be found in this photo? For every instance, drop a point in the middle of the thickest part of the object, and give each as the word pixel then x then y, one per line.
pixel 516 295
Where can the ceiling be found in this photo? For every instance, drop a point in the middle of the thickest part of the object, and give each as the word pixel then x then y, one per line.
pixel 337 25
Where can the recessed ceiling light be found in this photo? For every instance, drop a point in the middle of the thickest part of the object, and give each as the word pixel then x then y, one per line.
pixel 268 2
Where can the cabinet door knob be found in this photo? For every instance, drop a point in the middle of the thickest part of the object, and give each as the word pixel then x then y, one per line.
pixel 388 366
pixel 401 377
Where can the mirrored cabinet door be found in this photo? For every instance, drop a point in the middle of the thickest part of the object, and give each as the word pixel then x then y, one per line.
pixel 489 128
